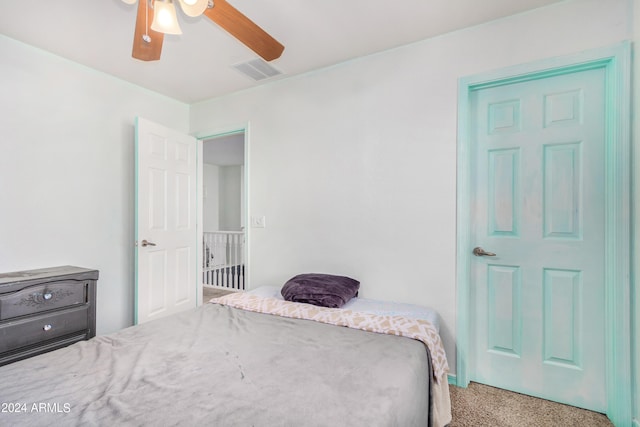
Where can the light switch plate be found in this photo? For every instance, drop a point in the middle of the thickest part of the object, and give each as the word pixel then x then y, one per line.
pixel 258 222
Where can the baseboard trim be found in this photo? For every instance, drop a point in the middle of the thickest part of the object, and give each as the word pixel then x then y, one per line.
pixel 452 380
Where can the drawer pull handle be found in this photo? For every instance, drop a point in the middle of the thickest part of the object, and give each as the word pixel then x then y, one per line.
pixel 48 296
pixel 47 328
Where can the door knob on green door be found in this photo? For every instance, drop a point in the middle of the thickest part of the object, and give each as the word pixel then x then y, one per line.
pixel 478 251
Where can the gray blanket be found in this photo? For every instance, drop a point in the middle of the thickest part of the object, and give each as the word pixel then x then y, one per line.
pixel 220 366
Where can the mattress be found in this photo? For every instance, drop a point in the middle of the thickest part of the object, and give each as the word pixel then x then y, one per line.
pixel 366 305
pixel 222 366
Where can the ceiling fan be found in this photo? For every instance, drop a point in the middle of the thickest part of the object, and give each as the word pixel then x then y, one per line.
pixel 149 33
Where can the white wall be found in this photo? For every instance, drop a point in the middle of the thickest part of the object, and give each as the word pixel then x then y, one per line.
pixel 66 170
pixel 354 166
pixel 230 198
pixel 211 203
pixel 224 150
pixel 222 205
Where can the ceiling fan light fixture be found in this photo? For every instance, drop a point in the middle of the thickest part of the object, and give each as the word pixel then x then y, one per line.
pixel 193 8
pixel 164 17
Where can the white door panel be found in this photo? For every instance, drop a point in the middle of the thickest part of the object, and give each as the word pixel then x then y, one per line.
pixel 165 217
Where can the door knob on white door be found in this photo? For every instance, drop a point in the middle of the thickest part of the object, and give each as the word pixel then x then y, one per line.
pixel 478 251
pixel 145 243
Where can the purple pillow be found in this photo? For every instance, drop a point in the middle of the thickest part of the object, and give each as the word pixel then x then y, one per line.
pixel 324 290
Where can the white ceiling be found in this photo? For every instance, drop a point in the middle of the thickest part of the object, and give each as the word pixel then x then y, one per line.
pixel 197 64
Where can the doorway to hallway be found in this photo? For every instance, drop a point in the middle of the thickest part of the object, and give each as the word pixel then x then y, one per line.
pixel 224 211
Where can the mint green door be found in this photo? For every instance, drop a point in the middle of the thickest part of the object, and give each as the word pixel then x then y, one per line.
pixel 537 292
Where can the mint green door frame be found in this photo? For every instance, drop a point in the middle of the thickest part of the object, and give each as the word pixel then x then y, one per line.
pixel 616 61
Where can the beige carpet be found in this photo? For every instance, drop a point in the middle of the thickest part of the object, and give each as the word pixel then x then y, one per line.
pixel 208 293
pixel 480 405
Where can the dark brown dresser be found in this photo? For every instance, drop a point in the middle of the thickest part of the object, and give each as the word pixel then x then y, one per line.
pixel 45 309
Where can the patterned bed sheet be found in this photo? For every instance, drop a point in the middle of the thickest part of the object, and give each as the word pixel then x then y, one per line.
pixel 367 305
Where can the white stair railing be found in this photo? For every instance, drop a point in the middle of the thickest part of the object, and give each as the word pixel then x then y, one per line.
pixel 223 259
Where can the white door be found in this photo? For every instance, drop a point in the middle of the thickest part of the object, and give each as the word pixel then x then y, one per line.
pixel 537 293
pixel 166 236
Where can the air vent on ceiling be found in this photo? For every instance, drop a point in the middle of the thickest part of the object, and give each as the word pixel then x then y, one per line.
pixel 257 69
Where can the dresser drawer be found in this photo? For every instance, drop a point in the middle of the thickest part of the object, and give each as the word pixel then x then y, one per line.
pixel 39 298
pixel 45 309
pixel 36 329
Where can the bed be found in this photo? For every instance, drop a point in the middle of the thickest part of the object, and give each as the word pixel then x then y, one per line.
pixel 228 363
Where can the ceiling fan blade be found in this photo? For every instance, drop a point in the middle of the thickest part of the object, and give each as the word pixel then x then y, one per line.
pixel 245 30
pixel 146 50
